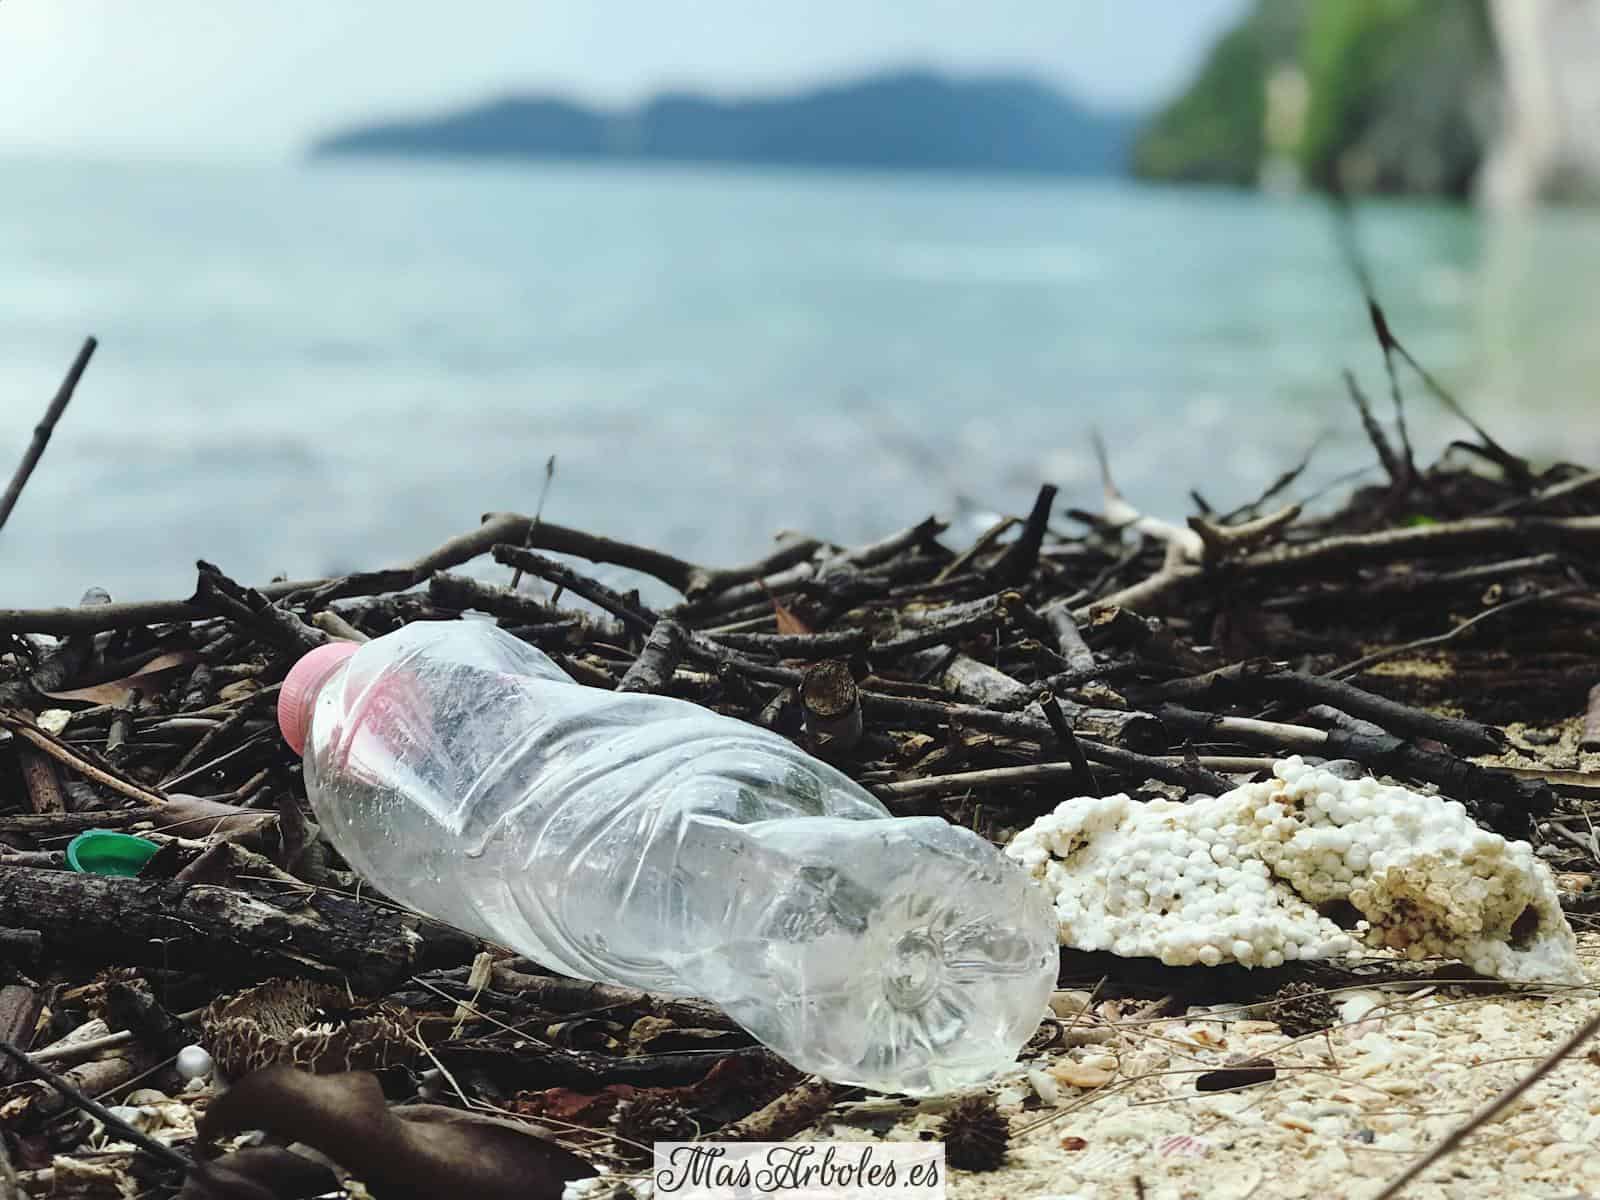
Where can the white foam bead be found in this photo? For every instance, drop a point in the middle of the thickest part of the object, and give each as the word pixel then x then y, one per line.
pixel 194 1062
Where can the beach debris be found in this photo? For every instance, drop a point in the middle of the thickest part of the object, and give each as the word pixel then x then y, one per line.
pixel 1305 865
pixel 315 1026
pixel 976 1134
pixel 193 1063
pixel 410 1152
pixel 1240 1072
pixel 1300 1008
pixel 260 1173
pixel 1589 739
pixel 1400 633
pixel 649 1118
pixel 104 852
pixel 1083 1075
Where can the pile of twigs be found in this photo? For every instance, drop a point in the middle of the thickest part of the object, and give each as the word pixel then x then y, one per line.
pixel 1060 653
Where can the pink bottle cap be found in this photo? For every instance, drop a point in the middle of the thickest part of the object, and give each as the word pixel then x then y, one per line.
pixel 300 686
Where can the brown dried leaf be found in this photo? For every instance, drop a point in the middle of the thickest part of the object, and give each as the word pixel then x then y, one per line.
pixel 82 1179
pixel 567 1106
pixel 259 1173
pixel 417 1152
pixel 198 818
pixel 148 677
pixel 787 621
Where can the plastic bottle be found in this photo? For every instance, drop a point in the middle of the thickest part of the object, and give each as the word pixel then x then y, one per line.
pixel 646 841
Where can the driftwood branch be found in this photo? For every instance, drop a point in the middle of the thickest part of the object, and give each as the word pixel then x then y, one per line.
pixel 653 669
pixel 322 935
pixel 1022 556
pixel 1068 637
pixel 460 593
pixel 1226 541
pixel 103 773
pixel 805 646
pixel 250 608
pixel 1474 534
pixel 625 608
pixel 1259 678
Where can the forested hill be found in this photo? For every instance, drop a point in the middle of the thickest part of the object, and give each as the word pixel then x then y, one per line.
pixel 907 119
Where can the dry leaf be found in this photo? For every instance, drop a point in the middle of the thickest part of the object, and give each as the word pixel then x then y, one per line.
pixel 198 818
pixel 787 621
pixel 145 680
pixel 415 1152
pixel 239 689
pixel 85 1180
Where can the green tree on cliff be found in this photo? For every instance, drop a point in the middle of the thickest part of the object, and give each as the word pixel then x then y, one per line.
pixel 1400 97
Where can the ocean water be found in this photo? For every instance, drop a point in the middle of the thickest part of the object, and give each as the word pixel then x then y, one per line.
pixel 309 369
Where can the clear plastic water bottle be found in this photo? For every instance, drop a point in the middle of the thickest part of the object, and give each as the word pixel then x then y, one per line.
pixel 646 841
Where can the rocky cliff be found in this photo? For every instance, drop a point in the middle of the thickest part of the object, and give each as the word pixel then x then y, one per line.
pixel 1495 97
pixel 1549 144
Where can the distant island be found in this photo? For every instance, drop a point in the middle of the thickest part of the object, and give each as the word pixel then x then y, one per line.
pixel 905 119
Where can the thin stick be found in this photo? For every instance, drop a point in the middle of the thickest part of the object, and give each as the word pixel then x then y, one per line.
pixel 43 430
pixel 538 513
pixel 1389 652
pixel 162 1153
pixel 1045 773
pixel 1553 492
pixel 1493 1109
pixel 107 776
pixel 789 1113
pixel 1067 740
pixel 84 1049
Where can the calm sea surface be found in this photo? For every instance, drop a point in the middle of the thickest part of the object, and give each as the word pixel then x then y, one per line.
pixel 311 369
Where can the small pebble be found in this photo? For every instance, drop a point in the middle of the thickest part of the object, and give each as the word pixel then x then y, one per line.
pixel 1010 1096
pixel 54 720
pixel 1081 1076
pixel 1069 1002
pixel 1358 1005
pixel 1045 1087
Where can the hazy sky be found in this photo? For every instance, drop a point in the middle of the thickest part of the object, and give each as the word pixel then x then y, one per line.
pixel 258 78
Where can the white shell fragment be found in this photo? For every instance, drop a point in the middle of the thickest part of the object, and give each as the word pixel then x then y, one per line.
pixel 193 1063
pixel 1241 878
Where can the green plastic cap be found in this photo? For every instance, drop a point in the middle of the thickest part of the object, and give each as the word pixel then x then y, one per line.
pixel 103 852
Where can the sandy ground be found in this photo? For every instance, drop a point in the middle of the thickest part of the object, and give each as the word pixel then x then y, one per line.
pixel 1348 1110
